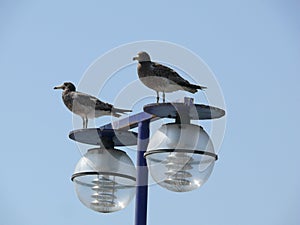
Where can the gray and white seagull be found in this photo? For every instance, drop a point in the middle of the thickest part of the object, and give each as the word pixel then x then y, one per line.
pixel 86 106
pixel 161 78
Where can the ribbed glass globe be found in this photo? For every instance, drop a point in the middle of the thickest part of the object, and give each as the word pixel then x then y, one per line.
pixel 180 157
pixel 105 180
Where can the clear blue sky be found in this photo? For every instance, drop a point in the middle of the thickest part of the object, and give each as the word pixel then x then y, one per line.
pixel 252 47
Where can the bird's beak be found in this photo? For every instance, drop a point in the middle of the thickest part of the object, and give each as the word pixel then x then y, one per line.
pixel 59 87
pixel 135 58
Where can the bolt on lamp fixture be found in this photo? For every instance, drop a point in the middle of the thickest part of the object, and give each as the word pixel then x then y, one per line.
pixel 180 155
pixel 105 177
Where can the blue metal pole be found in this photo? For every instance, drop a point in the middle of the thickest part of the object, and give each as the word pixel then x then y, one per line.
pixel 142 174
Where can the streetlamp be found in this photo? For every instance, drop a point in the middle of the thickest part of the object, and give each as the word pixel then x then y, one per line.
pixel 105 177
pixel 180 157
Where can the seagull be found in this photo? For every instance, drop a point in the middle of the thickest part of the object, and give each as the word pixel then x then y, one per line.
pixel 161 78
pixel 86 106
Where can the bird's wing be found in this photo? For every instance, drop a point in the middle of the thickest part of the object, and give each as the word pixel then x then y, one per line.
pixel 103 106
pixel 89 100
pixel 170 74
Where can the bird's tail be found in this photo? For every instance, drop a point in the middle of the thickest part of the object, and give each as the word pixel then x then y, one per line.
pixel 116 112
pixel 193 88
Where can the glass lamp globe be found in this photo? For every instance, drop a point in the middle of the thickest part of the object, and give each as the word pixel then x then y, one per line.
pixel 180 157
pixel 105 180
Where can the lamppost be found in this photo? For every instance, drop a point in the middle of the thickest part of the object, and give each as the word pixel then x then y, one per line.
pixel 180 157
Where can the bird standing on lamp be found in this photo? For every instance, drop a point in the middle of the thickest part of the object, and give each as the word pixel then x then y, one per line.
pixel 86 106
pixel 161 78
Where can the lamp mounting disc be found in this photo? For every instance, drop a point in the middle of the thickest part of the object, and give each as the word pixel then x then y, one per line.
pixel 93 136
pixel 194 111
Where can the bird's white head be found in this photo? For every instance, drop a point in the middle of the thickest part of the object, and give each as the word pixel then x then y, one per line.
pixel 142 57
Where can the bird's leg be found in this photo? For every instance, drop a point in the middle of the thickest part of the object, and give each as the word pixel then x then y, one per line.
pixel 164 96
pixel 85 121
pixel 157 97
